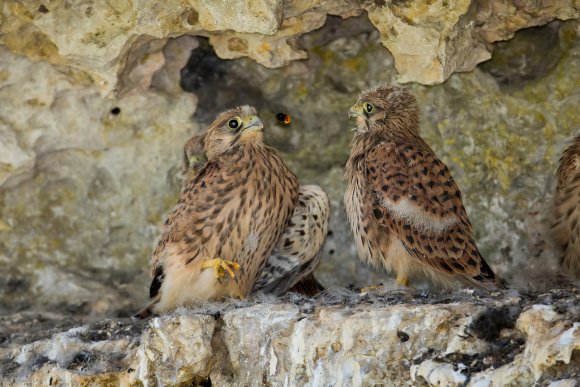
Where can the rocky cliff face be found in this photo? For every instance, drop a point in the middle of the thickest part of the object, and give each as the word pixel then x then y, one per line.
pixel 97 100
pixel 341 339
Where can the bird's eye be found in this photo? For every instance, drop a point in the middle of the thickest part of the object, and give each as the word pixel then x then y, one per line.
pixel 368 107
pixel 234 123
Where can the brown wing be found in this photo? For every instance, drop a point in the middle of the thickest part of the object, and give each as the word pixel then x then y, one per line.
pixel 416 197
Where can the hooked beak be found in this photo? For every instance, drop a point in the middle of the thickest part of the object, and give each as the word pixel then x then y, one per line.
pixel 253 123
pixel 355 111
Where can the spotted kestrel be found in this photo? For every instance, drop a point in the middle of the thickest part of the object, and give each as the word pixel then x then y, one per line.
pixel 566 215
pixel 404 208
pixel 229 217
pixel 297 253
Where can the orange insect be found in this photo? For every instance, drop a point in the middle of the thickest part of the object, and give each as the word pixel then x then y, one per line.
pixel 284 119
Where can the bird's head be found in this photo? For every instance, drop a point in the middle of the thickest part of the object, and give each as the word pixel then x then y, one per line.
pixel 235 127
pixel 193 153
pixel 387 108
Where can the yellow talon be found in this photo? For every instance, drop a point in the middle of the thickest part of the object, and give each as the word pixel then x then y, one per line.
pixel 221 267
pixel 402 280
pixel 367 289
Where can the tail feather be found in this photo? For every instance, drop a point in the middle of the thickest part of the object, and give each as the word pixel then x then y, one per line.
pixel 147 311
pixel 486 277
pixel 308 286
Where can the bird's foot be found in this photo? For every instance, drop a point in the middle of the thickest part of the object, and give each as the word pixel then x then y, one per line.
pixel 370 288
pixel 402 280
pixel 221 267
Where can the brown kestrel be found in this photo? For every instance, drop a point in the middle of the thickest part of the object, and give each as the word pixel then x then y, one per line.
pixel 404 208
pixel 297 253
pixel 566 215
pixel 229 217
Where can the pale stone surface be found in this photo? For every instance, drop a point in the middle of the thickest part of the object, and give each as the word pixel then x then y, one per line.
pixel 354 341
pixel 431 40
pixel 428 39
pixel 253 16
pixel 84 186
pixel 175 349
pixel 274 51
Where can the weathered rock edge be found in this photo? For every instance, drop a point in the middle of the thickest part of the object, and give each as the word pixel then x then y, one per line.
pixel 465 340
pixel 429 40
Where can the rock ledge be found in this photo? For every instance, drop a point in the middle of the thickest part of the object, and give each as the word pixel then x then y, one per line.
pixel 463 338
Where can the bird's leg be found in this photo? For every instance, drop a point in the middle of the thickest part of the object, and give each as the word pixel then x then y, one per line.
pixel 221 267
pixel 402 280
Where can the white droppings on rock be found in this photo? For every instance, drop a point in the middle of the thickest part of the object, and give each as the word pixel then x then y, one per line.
pixel 569 336
pixel 565 383
pixel 439 374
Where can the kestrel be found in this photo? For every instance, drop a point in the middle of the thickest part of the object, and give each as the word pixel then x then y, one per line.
pixel 229 217
pixel 297 253
pixel 404 208
pixel 566 215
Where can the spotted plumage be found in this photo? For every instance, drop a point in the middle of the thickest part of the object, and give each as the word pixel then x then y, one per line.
pixel 297 253
pixel 566 214
pixel 404 207
pixel 229 217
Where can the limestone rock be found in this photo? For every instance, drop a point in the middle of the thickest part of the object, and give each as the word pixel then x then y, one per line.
pixel 274 51
pixel 74 167
pixel 253 16
pixel 339 339
pixel 429 40
pixel 175 350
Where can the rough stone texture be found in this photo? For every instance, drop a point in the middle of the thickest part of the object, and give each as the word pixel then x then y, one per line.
pixel 83 186
pixel 431 40
pixel 428 39
pixel 454 339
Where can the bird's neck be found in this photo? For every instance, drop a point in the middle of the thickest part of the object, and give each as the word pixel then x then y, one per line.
pixel 361 143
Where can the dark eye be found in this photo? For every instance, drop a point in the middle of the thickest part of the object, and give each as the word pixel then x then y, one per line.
pixel 368 107
pixel 234 124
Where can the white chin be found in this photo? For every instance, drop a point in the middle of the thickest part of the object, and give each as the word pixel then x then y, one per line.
pixel 361 125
